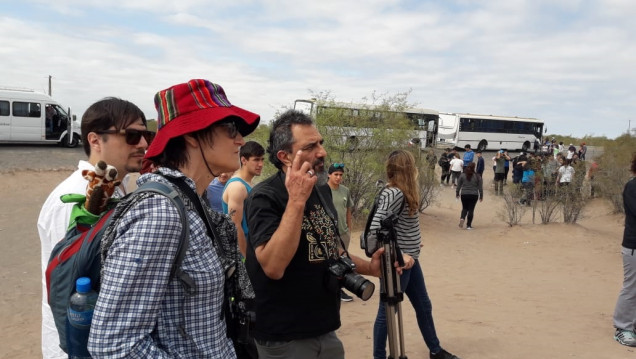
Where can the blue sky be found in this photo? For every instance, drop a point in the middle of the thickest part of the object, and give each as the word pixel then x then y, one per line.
pixel 567 62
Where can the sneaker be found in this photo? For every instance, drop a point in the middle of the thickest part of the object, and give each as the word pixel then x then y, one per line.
pixel 469 227
pixel 345 297
pixel 625 337
pixel 461 223
pixel 443 354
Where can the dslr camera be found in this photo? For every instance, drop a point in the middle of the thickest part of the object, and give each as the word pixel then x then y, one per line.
pixel 343 268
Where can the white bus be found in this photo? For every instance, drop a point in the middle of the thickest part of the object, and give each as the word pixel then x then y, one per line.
pixel 27 116
pixel 424 121
pixel 483 132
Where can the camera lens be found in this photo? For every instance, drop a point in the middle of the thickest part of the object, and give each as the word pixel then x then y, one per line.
pixel 358 285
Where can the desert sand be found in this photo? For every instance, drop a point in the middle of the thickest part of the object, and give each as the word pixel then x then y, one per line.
pixel 530 291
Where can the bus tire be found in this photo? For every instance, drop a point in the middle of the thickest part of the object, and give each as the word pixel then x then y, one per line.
pixel 525 147
pixel 482 145
pixel 73 143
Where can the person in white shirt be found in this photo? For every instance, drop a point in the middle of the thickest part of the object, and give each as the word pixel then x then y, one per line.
pixel 565 173
pixel 113 130
pixel 457 166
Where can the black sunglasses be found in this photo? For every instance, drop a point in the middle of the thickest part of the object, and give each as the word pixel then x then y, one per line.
pixel 230 127
pixel 132 136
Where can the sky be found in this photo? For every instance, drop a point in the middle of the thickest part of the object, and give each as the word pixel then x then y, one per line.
pixel 567 62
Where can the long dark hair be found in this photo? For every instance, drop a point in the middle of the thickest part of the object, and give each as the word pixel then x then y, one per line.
pixel 402 173
pixel 470 171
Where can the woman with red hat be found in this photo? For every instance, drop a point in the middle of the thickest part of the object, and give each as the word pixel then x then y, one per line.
pixel 142 311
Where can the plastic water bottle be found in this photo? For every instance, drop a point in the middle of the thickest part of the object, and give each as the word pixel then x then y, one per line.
pixel 80 315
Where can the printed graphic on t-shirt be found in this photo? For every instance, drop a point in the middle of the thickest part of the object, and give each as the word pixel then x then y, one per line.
pixel 320 232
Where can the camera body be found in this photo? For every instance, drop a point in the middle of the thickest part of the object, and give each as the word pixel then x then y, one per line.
pixel 343 268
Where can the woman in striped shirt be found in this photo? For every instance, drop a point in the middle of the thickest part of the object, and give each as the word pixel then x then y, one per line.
pixel 401 196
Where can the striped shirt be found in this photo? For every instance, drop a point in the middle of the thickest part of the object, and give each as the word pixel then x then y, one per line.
pixel 139 307
pixel 407 227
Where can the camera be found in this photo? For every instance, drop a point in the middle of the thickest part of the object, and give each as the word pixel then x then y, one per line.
pixel 343 268
pixel 501 151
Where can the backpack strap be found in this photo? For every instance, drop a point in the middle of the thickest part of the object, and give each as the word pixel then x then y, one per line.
pixel 173 195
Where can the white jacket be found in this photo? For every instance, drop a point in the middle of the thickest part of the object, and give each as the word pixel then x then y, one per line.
pixel 52 225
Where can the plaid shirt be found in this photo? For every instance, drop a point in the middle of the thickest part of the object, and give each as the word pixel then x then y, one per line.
pixel 139 308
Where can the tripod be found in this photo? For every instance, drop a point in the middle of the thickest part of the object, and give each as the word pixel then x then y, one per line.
pixel 390 292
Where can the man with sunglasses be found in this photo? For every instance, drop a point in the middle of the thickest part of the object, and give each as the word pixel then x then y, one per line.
pixel 343 204
pixel 114 131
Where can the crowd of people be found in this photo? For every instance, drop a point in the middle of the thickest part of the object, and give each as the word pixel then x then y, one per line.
pixel 289 230
pixel 535 175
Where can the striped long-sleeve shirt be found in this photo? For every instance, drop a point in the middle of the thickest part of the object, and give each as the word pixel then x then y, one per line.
pixel 407 227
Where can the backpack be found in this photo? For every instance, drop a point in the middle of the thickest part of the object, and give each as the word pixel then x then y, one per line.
pixel 81 252
pixel 238 291
pixel 368 239
pixel 443 161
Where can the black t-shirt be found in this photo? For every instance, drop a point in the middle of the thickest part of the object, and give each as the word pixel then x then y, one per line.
pixel 629 201
pixel 305 302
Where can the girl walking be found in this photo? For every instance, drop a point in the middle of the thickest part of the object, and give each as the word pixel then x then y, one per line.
pixel 470 186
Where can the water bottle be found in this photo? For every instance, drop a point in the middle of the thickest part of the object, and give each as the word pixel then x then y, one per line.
pixel 79 316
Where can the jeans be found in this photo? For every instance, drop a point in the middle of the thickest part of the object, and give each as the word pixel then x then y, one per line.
pixel 412 284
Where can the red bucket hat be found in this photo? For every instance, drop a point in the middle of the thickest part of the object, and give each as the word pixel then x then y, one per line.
pixel 193 106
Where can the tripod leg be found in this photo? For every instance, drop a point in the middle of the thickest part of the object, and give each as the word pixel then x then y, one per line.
pixel 388 289
pixel 400 331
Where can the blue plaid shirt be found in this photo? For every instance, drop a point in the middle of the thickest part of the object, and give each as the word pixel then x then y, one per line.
pixel 139 308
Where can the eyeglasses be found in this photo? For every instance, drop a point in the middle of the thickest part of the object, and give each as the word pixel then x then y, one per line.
pixel 230 127
pixel 132 136
pixel 338 165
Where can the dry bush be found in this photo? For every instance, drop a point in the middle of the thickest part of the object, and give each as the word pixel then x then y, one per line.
pixel 613 171
pixel 429 187
pixel 513 211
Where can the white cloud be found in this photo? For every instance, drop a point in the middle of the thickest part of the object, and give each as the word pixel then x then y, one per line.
pixel 568 63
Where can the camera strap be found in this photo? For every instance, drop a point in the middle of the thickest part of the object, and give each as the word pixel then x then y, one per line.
pixel 328 206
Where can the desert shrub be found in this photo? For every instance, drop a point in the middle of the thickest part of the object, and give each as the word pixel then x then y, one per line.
pixel 613 170
pixel 429 187
pixel 571 201
pixel 513 210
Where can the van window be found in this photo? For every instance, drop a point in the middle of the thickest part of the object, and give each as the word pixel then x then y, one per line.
pixel 27 109
pixel 4 108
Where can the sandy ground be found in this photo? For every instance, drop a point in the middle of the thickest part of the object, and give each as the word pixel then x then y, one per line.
pixel 531 291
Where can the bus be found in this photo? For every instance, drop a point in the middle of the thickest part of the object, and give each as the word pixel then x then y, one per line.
pixel 423 121
pixel 27 116
pixel 485 132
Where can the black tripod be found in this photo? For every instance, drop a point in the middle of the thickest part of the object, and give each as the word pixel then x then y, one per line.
pixel 390 292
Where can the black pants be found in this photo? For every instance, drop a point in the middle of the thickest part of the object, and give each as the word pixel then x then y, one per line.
pixel 468 207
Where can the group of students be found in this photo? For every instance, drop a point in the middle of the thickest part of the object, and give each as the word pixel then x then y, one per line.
pixel 289 234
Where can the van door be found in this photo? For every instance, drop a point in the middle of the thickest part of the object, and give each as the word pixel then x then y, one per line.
pixel 28 121
pixel 5 120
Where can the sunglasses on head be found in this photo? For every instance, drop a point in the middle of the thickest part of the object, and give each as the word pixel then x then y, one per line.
pixel 338 165
pixel 132 136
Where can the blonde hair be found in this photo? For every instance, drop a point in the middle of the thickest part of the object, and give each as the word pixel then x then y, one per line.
pixel 402 173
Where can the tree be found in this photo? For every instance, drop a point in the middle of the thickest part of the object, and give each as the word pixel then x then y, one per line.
pixel 361 136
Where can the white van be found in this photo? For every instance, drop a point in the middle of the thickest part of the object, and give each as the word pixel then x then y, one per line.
pixel 27 116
